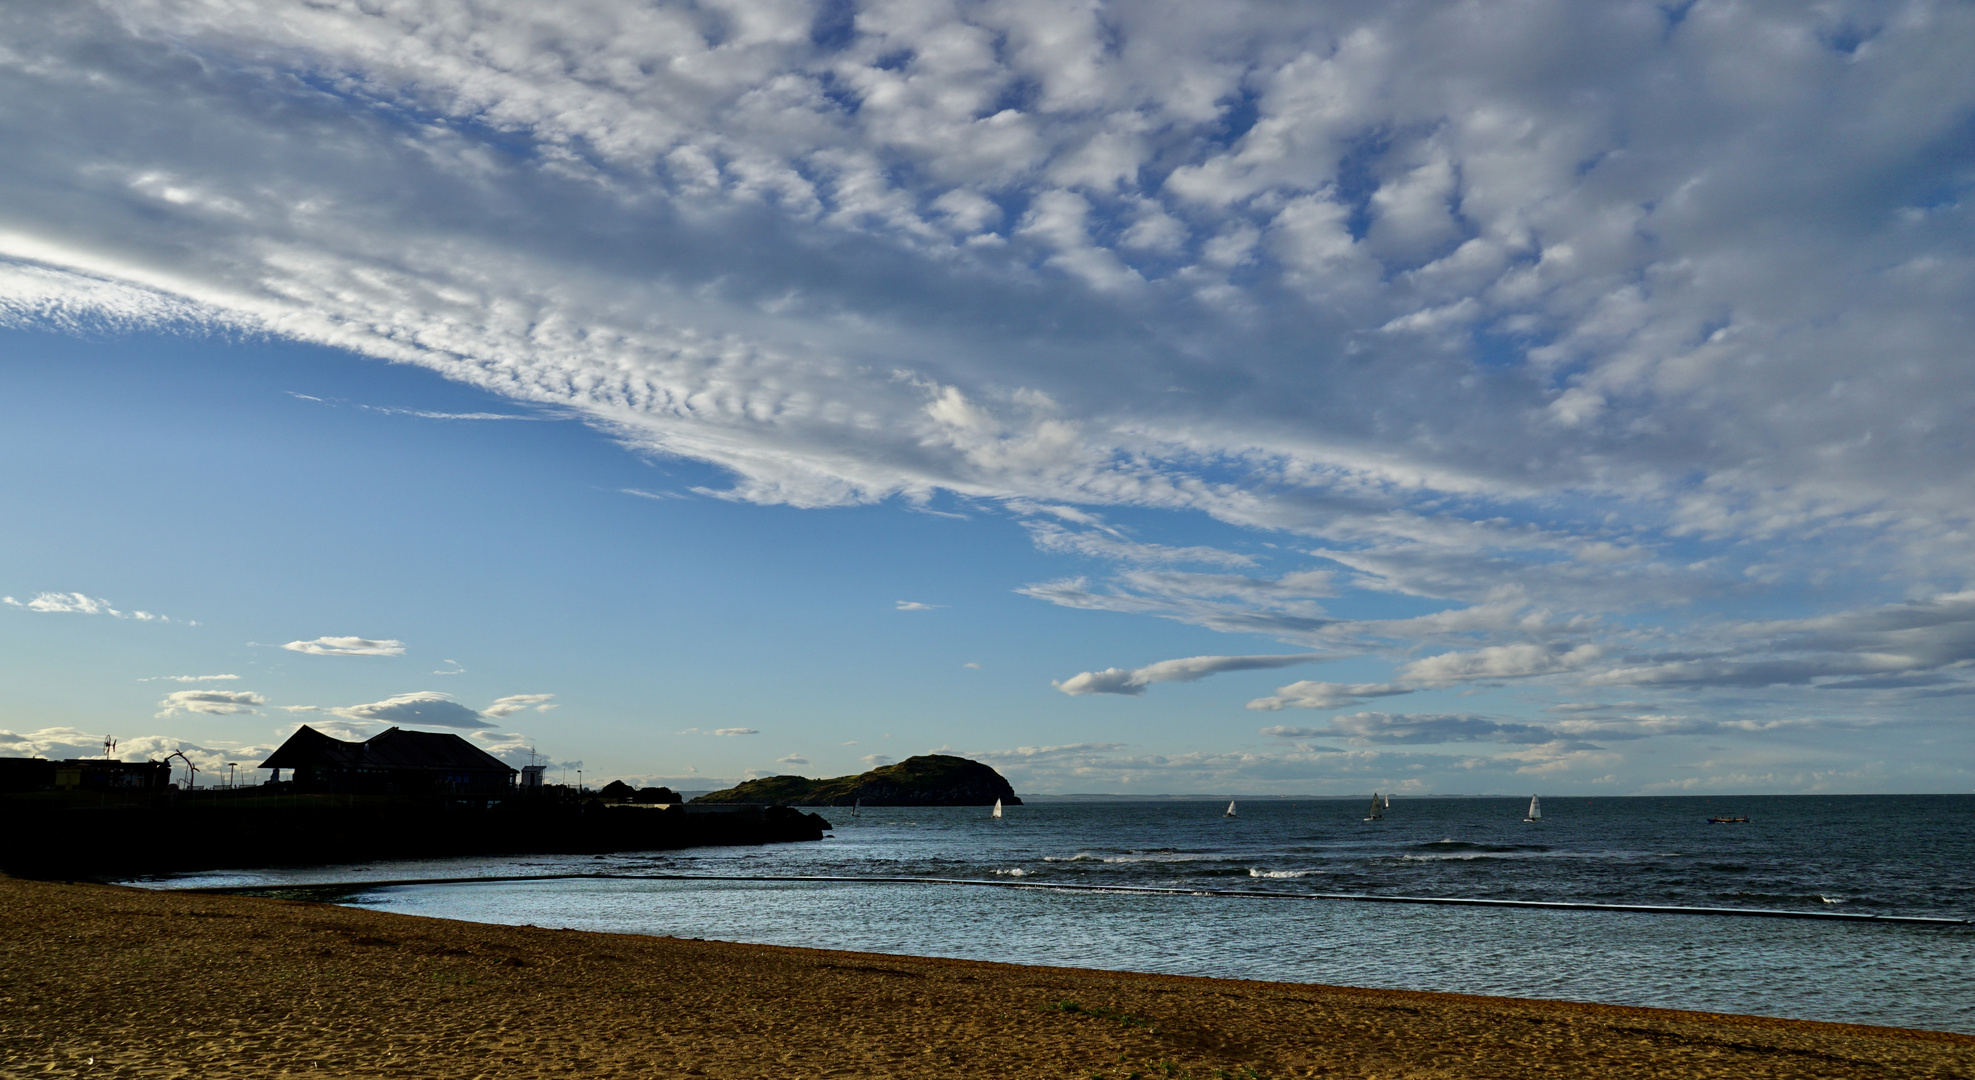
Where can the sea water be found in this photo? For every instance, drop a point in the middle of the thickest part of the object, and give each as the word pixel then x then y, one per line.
pixel 1886 855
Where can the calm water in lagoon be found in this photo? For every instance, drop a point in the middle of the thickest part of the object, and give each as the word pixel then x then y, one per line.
pixel 1868 854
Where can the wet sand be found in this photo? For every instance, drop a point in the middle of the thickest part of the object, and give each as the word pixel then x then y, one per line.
pixel 99 980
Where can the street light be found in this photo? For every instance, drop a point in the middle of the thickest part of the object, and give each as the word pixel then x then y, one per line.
pixel 579 781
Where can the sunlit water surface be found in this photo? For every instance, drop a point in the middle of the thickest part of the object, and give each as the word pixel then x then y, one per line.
pixel 1864 854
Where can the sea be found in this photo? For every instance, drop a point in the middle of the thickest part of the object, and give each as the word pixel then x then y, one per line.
pixel 1180 887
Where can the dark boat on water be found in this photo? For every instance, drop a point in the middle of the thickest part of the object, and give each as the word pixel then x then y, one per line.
pixel 1728 821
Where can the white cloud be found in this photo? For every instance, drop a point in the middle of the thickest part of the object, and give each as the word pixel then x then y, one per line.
pixel 913 605
pixel 1499 662
pixel 428 708
pixel 209 702
pixel 514 703
pixel 736 731
pixel 347 646
pixel 1377 728
pixel 872 761
pixel 1187 669
pixel 1325 695
pixel 188 678
pixel 1107 545
pixel 58 743
pixel 792 759
pixel 75 603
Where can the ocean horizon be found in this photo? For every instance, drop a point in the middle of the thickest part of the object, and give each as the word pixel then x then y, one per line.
pixel 1238 895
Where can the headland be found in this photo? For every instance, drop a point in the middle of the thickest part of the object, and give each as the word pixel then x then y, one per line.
pixel 925 780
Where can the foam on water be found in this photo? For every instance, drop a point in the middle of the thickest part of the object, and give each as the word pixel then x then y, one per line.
pixel 1873 855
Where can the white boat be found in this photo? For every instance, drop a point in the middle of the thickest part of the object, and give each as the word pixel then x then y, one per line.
pixel 1388 802
pixel 997 809
pixel 855 807
pixel 1230 812
pixel 1377 812
pixel 1535 809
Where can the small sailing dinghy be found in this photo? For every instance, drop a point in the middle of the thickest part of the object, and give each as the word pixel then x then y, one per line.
pixel 1535 809
pixel 1388 802
pixel 855 807
pixel 997 810
pixel 1377 812
pixel 1230 812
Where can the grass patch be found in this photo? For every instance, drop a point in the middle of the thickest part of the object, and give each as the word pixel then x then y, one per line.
pixel 1122 1018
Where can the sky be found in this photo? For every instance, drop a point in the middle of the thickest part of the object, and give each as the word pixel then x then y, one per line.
pixel 1245 398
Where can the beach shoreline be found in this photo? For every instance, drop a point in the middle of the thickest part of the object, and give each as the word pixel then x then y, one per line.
pixel 100 979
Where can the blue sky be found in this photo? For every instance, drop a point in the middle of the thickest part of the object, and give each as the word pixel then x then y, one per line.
pixel 1140 398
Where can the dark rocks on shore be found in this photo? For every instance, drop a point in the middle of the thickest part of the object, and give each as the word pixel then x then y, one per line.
pixel 926 780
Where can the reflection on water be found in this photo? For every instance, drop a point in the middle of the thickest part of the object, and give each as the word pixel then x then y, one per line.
pixel 1906 856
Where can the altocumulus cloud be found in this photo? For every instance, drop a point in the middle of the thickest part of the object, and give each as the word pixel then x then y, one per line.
pixel 1405 280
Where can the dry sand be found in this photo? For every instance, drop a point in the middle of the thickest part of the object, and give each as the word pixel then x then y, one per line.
pixel 98 980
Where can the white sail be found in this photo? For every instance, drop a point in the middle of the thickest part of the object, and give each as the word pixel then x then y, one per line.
pixel 997 809
pixel 855 807
pixel 1535 809
pixel 1378 808
pixel 1230 812
pixel 1388 802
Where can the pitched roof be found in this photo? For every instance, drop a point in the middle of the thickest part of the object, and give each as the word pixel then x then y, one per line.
pixel 395 749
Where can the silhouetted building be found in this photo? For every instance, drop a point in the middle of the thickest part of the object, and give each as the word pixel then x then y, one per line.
pixel 95 774
pixel 85 774
pixel 26 774
pixel 397 761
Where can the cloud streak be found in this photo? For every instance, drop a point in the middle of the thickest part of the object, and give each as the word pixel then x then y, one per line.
pixel 347 646
pixel 427 708
pixel 209 702
pixel 75 603
pixel 1188 669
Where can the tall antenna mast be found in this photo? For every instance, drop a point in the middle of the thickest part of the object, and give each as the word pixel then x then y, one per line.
pixel 109 747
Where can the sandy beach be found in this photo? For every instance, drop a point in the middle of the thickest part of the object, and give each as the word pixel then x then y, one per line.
pixel 100 980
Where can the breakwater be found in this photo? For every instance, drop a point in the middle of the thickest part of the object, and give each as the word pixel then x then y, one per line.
pixel 87 835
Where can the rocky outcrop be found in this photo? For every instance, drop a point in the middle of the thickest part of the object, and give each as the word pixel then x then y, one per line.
pixel 927 780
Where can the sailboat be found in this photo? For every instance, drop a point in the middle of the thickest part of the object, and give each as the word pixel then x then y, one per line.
pixel 855 807
pixel 1230 812
pixel 1535 809
pixel 1388 802
pixel 997 810
pixel 1377 812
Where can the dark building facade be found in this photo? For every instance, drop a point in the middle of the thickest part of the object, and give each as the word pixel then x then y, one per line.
pixel 396 761
pixel 83 774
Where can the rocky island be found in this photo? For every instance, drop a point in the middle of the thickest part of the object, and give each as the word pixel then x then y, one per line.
pixel 926 780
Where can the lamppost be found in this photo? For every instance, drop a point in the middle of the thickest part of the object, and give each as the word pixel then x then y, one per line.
pixel 231 776
pixel 579 781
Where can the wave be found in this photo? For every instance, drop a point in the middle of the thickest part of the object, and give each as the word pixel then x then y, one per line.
pixel 1085 856
pixel 1468 845
pixel 1256 872
pixel 1014 872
